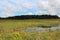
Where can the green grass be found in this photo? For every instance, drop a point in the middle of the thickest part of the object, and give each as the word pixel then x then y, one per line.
pixel 15 29
pixel 28 23
pixel 52 35
pixel 23 24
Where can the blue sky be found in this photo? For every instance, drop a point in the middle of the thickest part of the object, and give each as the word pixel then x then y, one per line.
pixel 29 7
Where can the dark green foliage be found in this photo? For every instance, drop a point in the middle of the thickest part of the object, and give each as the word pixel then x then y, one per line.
pixel 33 17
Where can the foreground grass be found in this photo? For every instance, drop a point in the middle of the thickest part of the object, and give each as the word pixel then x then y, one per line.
pixel 15 29
pixel 52 35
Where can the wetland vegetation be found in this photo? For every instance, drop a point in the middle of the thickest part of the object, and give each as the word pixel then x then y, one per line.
pixel 30 29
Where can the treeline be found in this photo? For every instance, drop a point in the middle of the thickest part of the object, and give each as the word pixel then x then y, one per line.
pixel 33 17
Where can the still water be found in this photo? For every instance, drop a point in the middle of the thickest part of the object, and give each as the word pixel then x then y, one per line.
pixel 40 29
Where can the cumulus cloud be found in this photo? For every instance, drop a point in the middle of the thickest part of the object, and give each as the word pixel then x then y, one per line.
pixel 46 6
pixel 55 4
pixel 40 6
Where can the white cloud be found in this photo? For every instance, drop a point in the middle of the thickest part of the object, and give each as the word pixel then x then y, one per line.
pixel 6 14
pixel 46 6
pixel 41 6
pixel 55 4
pixel 30 13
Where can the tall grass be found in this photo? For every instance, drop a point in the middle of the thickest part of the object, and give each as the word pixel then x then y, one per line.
pixel 15 29
pixel 52 35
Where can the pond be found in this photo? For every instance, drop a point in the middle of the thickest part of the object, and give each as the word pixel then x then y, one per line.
pixel 41 29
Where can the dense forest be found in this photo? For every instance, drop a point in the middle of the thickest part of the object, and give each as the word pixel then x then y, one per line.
pixel 33 17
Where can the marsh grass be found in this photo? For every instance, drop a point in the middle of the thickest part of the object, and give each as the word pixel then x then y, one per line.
pixel 15 29
pixel 52 35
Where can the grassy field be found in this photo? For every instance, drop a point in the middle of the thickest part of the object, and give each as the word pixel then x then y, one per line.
pixel 15 29
pixel 53 35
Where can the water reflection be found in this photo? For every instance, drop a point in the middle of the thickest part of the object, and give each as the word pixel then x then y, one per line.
pixel 41 29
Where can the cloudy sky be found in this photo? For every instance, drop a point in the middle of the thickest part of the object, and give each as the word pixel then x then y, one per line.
pixel 29 7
